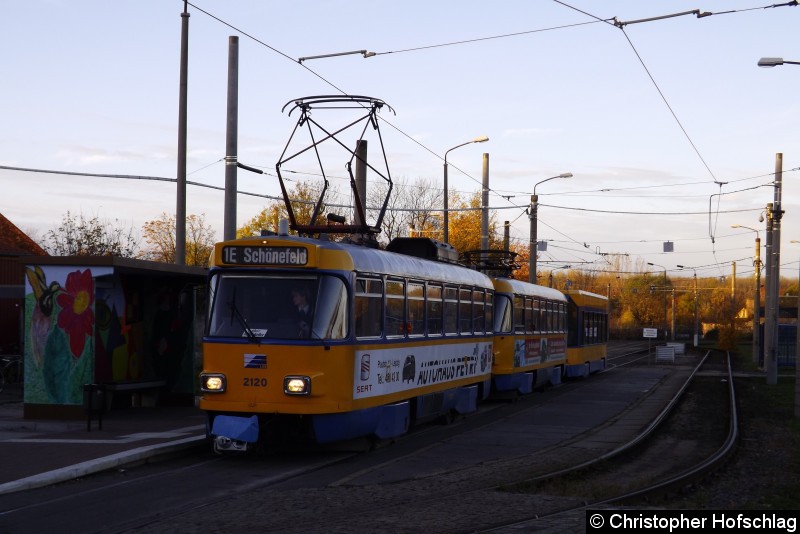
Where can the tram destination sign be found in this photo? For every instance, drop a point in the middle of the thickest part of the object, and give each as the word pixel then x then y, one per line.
pixel 246 255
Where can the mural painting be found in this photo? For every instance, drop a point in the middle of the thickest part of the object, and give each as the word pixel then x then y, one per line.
pixel 59 331
pixel 91 325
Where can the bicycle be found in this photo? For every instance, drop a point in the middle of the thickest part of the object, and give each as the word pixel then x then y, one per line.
pixel 10 370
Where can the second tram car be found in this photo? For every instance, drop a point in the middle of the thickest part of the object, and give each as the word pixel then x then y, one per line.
pixel 383 340
pixel 587 337
pixel 530 336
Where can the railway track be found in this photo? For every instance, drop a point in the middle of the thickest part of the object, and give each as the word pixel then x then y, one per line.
pixel 650 492
pixel 383 491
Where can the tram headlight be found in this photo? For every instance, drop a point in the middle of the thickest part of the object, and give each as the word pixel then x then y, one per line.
pixel 297 385
pixel 213 383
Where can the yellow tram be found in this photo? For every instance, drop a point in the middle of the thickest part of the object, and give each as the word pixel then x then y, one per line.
pixel 386 340
pixel 530 336
pixel 588 333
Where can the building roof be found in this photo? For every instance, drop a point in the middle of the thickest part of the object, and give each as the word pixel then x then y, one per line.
pixel 14 242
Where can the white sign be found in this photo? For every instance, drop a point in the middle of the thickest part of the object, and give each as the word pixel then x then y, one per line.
pixel 384 371
pixel 650 332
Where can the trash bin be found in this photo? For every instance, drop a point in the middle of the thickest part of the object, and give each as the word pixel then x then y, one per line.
pixel 94 403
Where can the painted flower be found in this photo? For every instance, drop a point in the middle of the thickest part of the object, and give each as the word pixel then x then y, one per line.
pixel 76 317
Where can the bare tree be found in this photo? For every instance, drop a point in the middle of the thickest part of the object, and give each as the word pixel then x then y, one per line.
pixel 411 205
pixel 81 236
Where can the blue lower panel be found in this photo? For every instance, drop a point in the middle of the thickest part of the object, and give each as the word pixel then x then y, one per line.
pixel 555 375
pixel 597 365
pixel 236 428
pixel 486 389
pixel 522 382
pixel 383 421
pixel 574 371
pixel 466 400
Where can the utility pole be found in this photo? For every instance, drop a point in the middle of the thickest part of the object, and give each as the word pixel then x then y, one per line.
pixel 231 139
pixel 695 311
pixel 733 301
pixel 180 211
pixel 533 246
pixel 757 343
pixel 797 352
pixel 673 315
pixel 485 206
pixel 769 317
pixel 777 213
pixel 361 178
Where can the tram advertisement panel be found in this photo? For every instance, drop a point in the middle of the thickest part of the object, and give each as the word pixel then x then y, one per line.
pixel 534 351
pixel 391 370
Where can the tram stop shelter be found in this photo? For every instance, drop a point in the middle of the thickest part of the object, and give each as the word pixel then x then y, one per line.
pixel 132 328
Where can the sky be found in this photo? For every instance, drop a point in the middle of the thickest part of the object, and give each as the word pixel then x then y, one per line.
pixel 670 129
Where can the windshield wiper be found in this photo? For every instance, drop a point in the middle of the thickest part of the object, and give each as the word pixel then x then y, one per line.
pixel 236 313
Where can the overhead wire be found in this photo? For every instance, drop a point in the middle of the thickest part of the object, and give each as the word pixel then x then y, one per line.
pixel 515 34
pixel 615 23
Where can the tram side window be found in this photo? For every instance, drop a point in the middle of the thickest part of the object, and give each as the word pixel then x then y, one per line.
pixel 535 323
pixel 519 314
pixel 416 309
pixel 591 328
pixel 450 310
pixel 529 320
pixel 542 327
pixel 488 311
pixel 502 316
pixel 395 308
pixel 465 311
pixel 478 316
pixel 369 307
pixel 604 331
pixel 550 317
pixel 562 316
pixel 435 309
pixel 573 332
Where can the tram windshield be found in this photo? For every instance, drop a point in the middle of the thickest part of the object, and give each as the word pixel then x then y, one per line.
pixel 261 306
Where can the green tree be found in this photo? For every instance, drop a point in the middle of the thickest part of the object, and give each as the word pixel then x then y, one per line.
pixel 78 235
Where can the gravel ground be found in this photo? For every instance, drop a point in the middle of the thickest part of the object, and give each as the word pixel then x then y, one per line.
pixel 763 472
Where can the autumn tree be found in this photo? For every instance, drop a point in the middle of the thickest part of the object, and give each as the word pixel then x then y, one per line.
pixel 304 197
pixel 160 235
pixel 78 235
pixel 523 259
pixel 465 223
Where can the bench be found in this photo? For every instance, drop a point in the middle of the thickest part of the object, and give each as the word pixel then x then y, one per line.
pixel 665 354
pixel 97 398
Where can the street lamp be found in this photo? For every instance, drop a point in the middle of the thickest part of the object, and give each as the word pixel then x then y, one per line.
pixel 534 245
pixel 665 293
pixel 757 341
pixel 481 139
pixel 696 333
pixel 775 61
